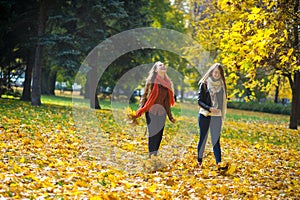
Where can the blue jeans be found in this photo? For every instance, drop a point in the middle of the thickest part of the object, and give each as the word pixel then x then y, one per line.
pixel 215 126
pixel 155 125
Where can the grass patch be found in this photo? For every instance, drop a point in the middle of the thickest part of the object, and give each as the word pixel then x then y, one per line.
pixel 249 126
pixel 180 109
pixel 253 116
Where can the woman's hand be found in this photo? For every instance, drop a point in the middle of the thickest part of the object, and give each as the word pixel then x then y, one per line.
pixel 137 115
pixel 214 110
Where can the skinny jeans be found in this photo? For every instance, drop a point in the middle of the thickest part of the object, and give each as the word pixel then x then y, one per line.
pixel 214 124
pixel 155 125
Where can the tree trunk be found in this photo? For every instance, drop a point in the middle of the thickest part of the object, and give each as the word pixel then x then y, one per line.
pixel 36 85
pixel 297 46
pixel 295 102
pixel 45 74
pixel 298 103
pixel 298 106
pixel 52 80
pixel 86 93
pixel 175 93
pixel 94 102
pixel 182 91
pixel 277 90
pixel 26 94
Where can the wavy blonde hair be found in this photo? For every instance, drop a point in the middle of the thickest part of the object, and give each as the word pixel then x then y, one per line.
pixel 209 74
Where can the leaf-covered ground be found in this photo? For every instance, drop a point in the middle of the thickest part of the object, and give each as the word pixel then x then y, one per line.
pixel 45 153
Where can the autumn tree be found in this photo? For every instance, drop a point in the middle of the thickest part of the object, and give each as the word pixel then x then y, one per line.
pixel 253 36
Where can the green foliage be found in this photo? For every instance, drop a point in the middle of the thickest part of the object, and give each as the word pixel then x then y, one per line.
pixel 158 14
pixel 74 28
pixel 17 38
pixel 267 107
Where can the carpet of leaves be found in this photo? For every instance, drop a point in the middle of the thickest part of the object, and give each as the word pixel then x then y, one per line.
pixel 43 155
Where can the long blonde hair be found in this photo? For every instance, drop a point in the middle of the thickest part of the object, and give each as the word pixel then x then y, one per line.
pixel 209 74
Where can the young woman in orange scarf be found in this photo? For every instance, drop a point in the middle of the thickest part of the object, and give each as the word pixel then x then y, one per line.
pixel 156 103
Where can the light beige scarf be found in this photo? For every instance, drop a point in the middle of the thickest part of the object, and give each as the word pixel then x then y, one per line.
pixel 214 87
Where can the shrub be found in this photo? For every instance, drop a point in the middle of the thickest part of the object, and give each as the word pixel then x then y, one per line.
pixel 268 107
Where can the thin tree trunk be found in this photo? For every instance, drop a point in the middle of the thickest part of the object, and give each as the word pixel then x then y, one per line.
pixel 175 93
pixel 276 100
pixel 52 80
pixel 26 94
pixel 86 93
pixel 298 105
pixel 94 102
pixel 296 45
pixel 92 81
pixel 182 91
pixel 295 102
pixel 36 85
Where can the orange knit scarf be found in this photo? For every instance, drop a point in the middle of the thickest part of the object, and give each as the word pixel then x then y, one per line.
pixel 154 94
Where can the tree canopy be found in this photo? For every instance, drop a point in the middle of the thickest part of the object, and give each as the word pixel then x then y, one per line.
pixel 257 41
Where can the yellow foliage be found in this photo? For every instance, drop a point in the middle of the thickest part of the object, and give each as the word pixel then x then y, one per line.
pixel 131 116
pixel 245 36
